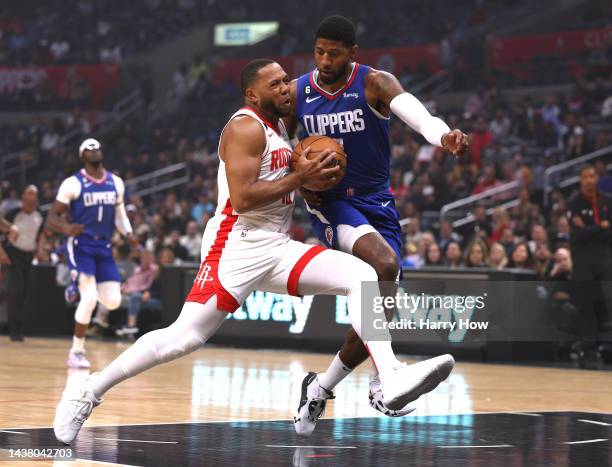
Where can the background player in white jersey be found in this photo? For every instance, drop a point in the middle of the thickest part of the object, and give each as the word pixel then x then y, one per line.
pixel 246 247
pixel 94 200
pixel 352 102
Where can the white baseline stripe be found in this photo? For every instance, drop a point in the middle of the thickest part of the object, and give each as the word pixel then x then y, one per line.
pixel 587 441
pixel 138 441
pixel 13 432
pixel 480 446
pixel 527 414
pixel 594 422
pixel 315 447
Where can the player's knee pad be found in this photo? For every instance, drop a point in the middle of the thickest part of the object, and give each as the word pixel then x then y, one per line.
pixel 109 294
pixel 89 299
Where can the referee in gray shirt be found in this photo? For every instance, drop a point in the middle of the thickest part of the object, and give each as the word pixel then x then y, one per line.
pixel 21 245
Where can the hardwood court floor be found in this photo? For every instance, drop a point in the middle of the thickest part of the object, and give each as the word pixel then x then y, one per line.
pixel 222 384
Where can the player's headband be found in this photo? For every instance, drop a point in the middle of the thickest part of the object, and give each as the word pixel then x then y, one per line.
pixel 90 144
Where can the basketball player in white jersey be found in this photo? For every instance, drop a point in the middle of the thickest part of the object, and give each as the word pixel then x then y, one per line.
pixel 246 247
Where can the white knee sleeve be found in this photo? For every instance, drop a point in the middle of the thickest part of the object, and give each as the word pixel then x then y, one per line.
pixel 89 299
pixel 348 235
pixel 109 294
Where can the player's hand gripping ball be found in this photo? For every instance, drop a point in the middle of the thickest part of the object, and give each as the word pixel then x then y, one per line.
pixel 317 145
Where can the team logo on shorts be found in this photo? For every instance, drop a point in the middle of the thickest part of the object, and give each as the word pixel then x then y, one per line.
pixel 203 276
pixel 329 234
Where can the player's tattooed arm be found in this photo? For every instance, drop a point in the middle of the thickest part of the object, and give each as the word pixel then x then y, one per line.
pixel 381 88
pixel 57 223
pixel 385 93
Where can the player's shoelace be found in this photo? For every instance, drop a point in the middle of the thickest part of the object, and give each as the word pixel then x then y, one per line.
pixel 83 407
pixel 316 406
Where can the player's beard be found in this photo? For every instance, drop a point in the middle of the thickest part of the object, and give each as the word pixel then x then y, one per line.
pixel 336 77
pixel 270 108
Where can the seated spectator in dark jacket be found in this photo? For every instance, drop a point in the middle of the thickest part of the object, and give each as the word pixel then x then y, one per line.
pixel 174 243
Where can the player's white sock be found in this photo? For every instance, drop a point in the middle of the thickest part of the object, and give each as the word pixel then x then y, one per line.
pixel 78 344
pixel 336 372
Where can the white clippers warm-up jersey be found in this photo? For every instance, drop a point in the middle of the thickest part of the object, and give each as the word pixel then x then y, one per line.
pixel 244 252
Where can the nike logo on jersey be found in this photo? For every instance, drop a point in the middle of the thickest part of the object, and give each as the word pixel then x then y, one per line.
pixel 384 205
pixel 312 99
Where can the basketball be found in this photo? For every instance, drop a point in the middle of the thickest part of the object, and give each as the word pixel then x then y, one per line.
pixel 318 144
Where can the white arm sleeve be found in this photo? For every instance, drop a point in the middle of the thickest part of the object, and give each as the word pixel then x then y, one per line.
pixel 69 190
pixel 121 219
pixel 415 115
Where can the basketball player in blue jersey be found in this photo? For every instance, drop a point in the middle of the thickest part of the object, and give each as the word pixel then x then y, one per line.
pixel 93 198
pixel 352 103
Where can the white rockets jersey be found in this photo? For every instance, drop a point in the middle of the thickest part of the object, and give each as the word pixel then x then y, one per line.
pixel 275 216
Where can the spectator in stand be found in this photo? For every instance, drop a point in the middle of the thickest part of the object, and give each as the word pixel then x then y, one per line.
pixel 500 126
pixel 413 230
pixel 480 139
pixel 487 180
pixel 560 269
pixel 174 243
pixel 551 114
pixel 521 257
pixel 476 254
pixel 562 233
pixel 572 136
pixel 416 256
pixel 137 289
pixel 166 258
pixel 538 236
pixel 452 253
pixel 542 258
pixel 447 234
pixel 192 241
pixel 501 222
pixel 605 180
pixel 480 227
pixel 433 255
pixel 498 258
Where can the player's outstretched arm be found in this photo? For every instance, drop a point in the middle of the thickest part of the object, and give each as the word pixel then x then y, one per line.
pixel 387 94
pixel 242 144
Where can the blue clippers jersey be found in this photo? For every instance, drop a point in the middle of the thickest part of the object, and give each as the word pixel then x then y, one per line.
pixel 347 117
pixel 95 208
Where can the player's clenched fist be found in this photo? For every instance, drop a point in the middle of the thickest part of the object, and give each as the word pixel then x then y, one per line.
pixel 455 142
